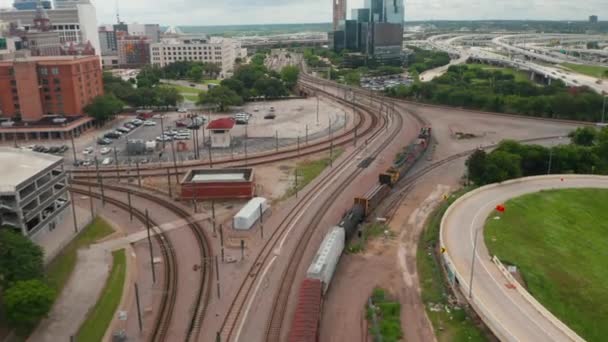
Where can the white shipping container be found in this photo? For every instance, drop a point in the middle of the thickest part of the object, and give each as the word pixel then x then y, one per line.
pixel 248 216
pixel 324 264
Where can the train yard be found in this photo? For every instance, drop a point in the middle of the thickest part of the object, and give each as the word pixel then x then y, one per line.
pixel 263 290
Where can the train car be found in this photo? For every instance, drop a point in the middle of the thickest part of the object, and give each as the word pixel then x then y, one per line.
pixel 351 220
pixel 406 159
pixel 372 199
pixel 325 261
pixel 307 318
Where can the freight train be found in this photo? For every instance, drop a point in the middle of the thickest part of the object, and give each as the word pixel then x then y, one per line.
pixel 307 318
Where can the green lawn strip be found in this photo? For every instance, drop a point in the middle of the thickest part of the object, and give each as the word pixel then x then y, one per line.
pixel 99 318
pixel 309 170
pixel 190 97
pixel 450 324
pixel 207 82
pixel 589 70
pixel 558 240
pixel 182 89
pixel 59 270
pixel 387 314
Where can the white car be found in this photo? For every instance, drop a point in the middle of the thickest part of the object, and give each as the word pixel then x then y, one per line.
pixel 105 151
pixel 183 137
pixel 150 123
pixel 107 161
pixel 182 110
pixel 87 150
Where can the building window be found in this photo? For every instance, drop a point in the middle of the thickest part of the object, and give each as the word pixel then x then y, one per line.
pixel 13 82
pixel 56 81
pixel 45 81
pixel 44 71
pixel 55 71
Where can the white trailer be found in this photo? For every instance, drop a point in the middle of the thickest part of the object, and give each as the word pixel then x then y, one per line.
pixel 324 264
pixel 250 213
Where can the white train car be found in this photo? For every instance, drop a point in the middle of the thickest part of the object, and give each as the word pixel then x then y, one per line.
pixel 324 264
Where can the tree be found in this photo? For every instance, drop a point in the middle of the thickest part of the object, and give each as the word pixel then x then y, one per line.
pixel 148 77
pixel 196 73
pixel 502 166
pixel 168 96
pixel 20 258
pixel 235 85
pixel 212 70
pixel 476 166
pixel 104 107
pixel 353 78
pixel 27 302
pixel 290 75
pixel 584 136
pixel 270 87
pixel 222 97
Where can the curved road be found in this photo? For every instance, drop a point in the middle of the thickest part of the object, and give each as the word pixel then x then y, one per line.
pixel 509 310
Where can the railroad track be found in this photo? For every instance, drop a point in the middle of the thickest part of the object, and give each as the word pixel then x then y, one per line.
pixel 280 302
pixel 243 296
pixel 170 283
pixel 344 138
pixel 203 292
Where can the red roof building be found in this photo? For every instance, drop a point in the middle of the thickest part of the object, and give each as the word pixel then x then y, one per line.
pixel 220 132
pixel 221 124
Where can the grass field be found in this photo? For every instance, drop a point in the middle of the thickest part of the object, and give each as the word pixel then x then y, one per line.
pixel 309 170
pixel 190 97
pixel 455 326
pixel 182 89
pixel 388 317
pixel 100 317
pixel 559 242
pixel 589 70
pixel 59 270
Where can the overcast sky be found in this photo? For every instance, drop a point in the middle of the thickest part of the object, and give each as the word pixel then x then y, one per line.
pixel 231 12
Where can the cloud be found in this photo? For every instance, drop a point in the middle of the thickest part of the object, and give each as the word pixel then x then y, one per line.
pixel 231 12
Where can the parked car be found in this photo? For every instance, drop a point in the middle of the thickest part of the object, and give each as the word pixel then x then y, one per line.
pixel 182 110
pixel 107 161
pixel 104 141
pixel 270 116
pixel 105 151
pixel 123 130
pixel 129 126
pixel 183 137
pixel 87 163
pixel 149 123
pixel 112 135
pixel 137 122
pixel 241 118
pixel 87 150
pixel 181 123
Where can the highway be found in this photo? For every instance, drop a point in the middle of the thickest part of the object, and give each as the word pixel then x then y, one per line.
pixel 508 309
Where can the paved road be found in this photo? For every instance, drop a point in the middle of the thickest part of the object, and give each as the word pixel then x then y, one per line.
pixel 505 310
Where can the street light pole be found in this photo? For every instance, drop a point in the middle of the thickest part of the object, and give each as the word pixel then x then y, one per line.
pixel 473 264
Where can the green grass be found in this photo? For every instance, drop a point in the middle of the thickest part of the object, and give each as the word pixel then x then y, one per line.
pixel 190 97
pixel 455 325
pixel 309 170
pixel 182 89
pixel 207 82
pixel 59 270
pixel 388 315
pixel 559 242
pixel 100 317
pixel 589 70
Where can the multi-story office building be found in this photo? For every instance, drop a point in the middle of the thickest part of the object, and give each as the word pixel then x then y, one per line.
pixel 221 51
pixel 150 31
pixel 33 191
pixel 39 86
pixel 107 41
pixel 593 19
pixel 133 51
pixel 76 25
pixel 339 7
pixel 31 4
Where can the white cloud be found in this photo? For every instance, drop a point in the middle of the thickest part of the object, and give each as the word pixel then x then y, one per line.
pixel 230 12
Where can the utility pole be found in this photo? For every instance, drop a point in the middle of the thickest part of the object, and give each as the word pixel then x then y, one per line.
pixel 100 180
pixel 317 109
pixel 139 321
pixel 74 146
pixel 169 181
pixel 116 161
pixel 150 247
pixel 174 161
pixel 138 175
pixel 162 129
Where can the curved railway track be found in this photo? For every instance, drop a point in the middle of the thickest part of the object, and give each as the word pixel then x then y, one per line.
pixel 167 304
pixel 243 296
pixel 361 128
pixel 204 289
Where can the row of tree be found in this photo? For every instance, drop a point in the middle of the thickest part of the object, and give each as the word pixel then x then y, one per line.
pixel 499 91
pixel 249 82
pixel 118 93
pixel 26 298
pixel 587 154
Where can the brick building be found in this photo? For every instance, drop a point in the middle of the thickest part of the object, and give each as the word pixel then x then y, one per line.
pixel 39 86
